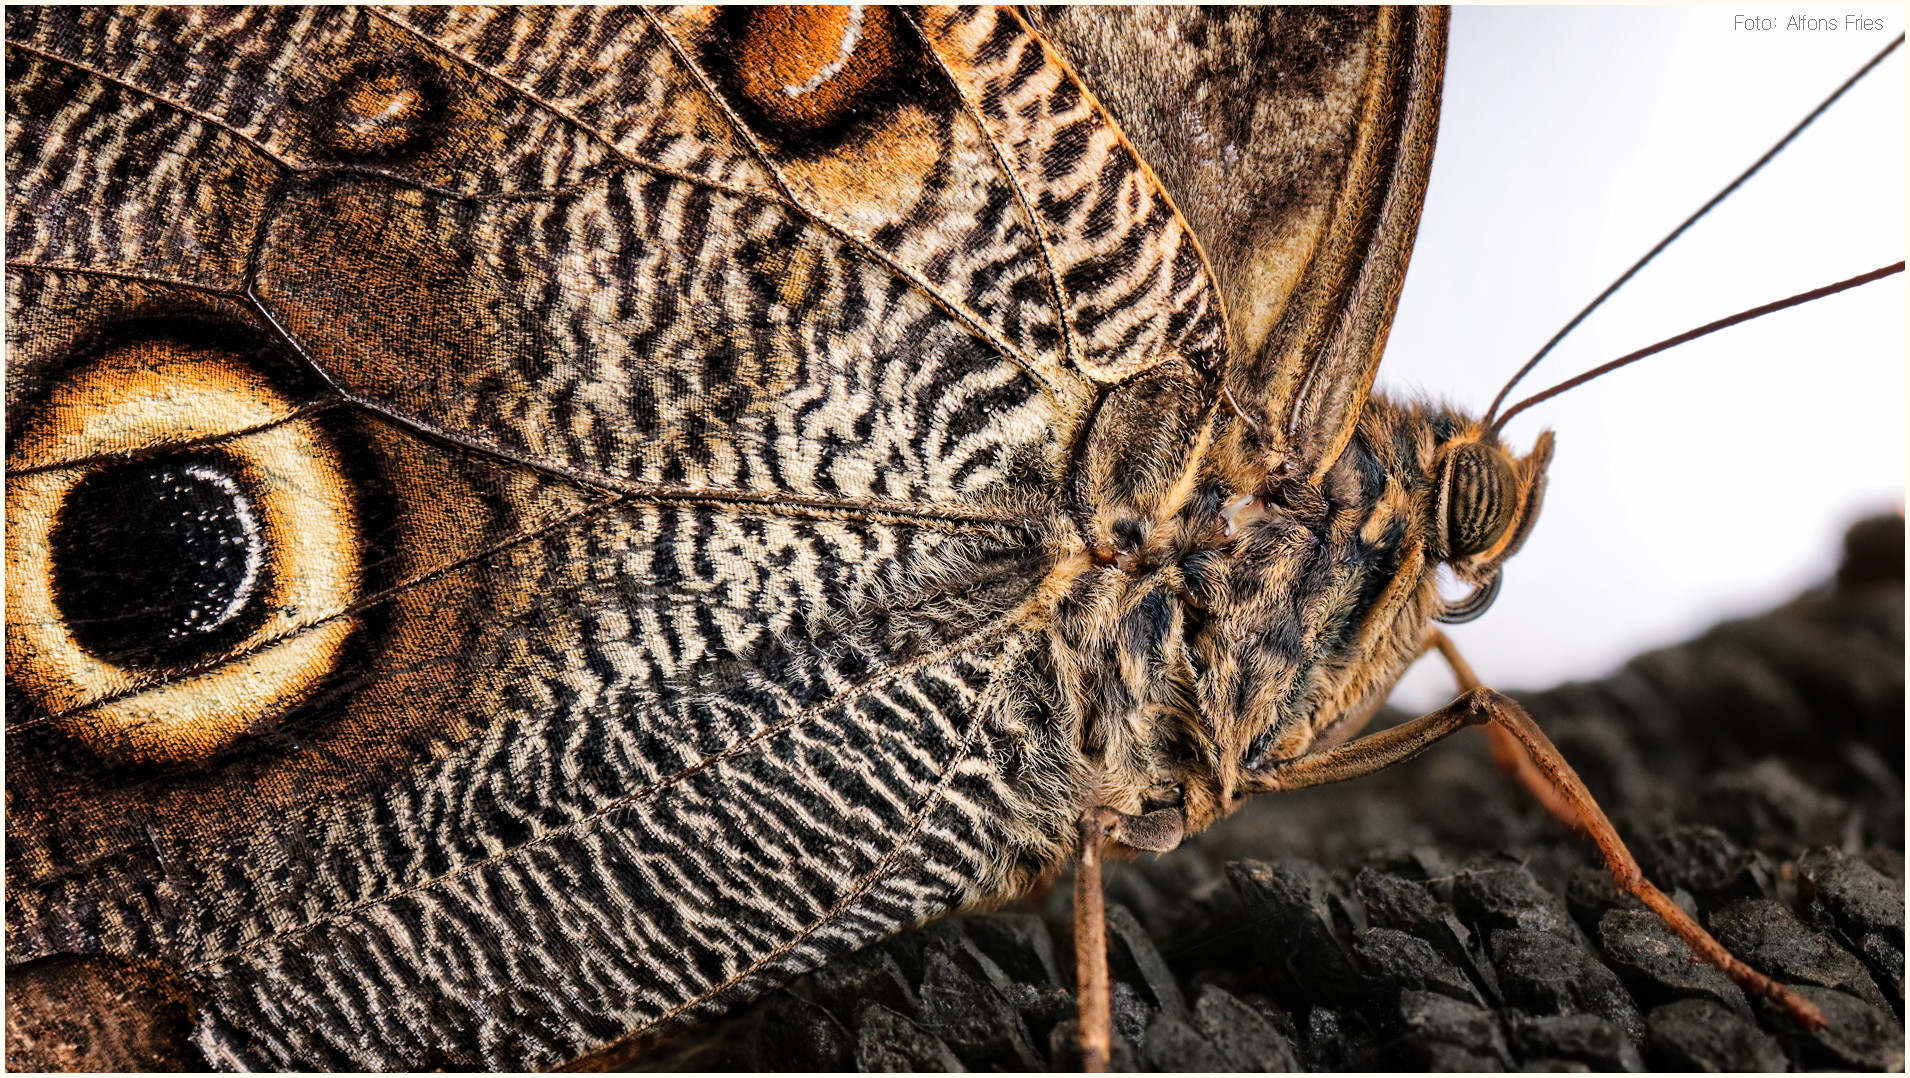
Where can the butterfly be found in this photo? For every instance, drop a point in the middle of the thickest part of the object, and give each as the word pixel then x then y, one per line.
pixel 525 526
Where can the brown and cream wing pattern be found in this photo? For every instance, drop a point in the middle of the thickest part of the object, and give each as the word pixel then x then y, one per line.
pixel 693 396
pixel 1296 142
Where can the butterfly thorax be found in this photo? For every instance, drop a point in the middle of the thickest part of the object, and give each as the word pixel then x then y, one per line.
pixel 1271 613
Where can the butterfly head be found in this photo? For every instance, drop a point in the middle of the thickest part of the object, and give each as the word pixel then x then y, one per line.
pixel 1484 503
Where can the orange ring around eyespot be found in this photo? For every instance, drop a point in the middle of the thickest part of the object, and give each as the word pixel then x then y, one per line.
pixel 151 396
pixel 810 65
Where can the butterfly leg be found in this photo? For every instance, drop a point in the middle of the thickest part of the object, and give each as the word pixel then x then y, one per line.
pixel 1478 706
pixel 1093 994
pixel 1159 830
pixel 1509 756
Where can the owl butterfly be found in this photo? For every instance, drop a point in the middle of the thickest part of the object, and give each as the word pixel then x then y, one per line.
pixel 529 526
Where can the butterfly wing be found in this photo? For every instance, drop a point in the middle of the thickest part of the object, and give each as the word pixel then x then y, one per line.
pixel 665 417
pixel 700 458
pixel 1297 142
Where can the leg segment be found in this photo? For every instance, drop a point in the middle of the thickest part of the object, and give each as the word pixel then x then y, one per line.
pixel 1565 790
pixel 1377 751
pixel 1160 830
pixel 1093 993
pixel 1544 758
pixel 1507 753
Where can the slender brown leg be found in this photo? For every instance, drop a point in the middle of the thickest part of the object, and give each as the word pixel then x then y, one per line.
pixel 1625 871
pixel 1479 705
pixel 1509 756
pixel 1160 830
pixel 1377 751
pixel 1092 991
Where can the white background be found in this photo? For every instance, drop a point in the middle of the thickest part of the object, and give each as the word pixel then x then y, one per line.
pixel 1716 479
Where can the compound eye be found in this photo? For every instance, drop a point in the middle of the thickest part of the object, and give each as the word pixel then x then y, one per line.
pixel 1478 495
pixel 182 552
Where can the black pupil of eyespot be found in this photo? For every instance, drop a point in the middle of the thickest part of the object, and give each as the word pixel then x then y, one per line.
pixel 159 562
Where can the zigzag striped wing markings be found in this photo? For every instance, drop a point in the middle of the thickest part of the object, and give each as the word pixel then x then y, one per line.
pixel 675 454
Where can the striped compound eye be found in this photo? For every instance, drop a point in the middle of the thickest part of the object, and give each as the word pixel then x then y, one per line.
pixel 1478 497
pixel 182 552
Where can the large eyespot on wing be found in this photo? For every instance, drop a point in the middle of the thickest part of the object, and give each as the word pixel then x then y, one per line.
pixel 181 543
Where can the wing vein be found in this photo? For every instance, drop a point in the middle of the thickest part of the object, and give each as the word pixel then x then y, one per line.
pixel 768 505
pixel 620 485
pixel 357 606
pixel 867 880
pixel 1042 242
pixel 123 275
pixel 969 319
pixel 955 309
pixel 152 95
pixel 982 635
pixel 292 415
pixel 307 168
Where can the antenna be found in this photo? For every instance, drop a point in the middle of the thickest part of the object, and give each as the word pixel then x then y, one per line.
pixel 1680 230
pixel 1692 335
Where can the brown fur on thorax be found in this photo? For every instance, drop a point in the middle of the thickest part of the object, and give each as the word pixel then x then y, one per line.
pixel 1258 617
